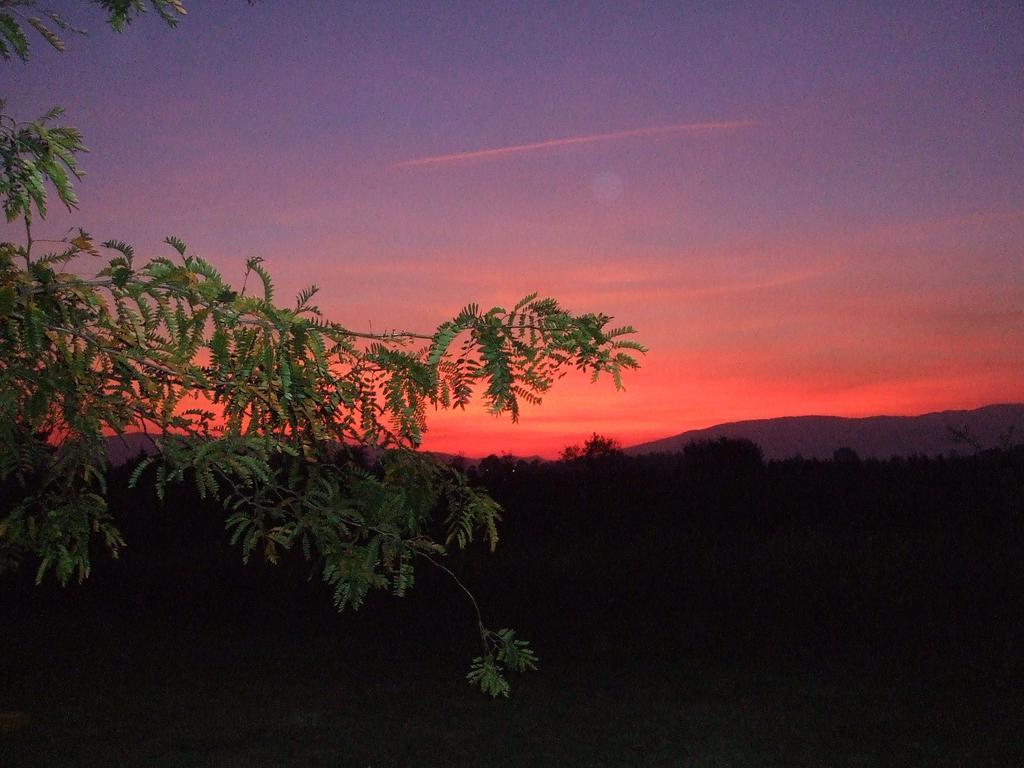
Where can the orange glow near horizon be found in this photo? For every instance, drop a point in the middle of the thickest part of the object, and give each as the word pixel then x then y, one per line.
pixel 651 409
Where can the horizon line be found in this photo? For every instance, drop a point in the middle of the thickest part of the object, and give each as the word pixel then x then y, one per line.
pixel 576 140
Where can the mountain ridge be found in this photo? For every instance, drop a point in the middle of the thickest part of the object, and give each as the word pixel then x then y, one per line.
pixel 783 437
pixel 817 436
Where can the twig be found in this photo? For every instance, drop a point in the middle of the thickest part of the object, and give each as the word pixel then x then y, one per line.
pixel 484 632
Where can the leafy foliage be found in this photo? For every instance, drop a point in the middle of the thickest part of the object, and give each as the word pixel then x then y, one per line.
pixel 247 398
pixel 253 403
pixel 503 652
pixel 32 154
pixel 15 15
pixel 257 404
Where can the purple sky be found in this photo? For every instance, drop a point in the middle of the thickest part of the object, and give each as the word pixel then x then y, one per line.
pixel 850 241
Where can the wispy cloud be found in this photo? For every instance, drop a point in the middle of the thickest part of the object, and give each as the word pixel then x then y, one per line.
pixel 515 149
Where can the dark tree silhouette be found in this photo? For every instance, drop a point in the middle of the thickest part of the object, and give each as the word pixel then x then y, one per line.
pixel 596 447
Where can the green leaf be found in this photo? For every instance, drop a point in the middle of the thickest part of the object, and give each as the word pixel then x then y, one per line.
pixel 13 37
pixel 47 33
pixel 485 673
pixel 176 244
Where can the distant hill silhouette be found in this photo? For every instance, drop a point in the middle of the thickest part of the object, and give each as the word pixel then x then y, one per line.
pixel 817 437
pixel 812 437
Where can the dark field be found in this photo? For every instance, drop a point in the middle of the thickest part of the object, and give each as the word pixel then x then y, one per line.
pixel 701 610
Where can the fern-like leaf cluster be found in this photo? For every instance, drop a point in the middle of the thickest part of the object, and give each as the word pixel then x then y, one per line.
pixel 256 404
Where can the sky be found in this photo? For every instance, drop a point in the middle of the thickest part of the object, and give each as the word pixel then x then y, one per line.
pixel 803 208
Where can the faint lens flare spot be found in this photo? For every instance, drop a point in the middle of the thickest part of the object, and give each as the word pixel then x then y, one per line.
pixel 607 187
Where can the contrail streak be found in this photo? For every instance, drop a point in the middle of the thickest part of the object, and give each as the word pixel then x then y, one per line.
pixel 515 149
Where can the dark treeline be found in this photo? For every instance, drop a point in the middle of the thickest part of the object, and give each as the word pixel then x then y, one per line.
pixel 714 544
pixel 710 546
